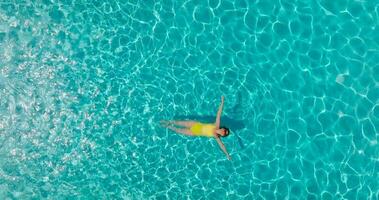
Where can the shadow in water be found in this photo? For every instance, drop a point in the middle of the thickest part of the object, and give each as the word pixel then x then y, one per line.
pixel 232 124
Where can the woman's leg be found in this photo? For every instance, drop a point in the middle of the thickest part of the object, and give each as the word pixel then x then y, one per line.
pixel 180 130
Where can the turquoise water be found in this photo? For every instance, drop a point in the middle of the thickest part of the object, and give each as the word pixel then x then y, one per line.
pixel 83 85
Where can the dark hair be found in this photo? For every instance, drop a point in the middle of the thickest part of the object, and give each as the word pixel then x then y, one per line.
pixel 227 131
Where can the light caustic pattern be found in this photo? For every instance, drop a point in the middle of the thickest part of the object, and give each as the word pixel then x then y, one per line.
pixel 84 83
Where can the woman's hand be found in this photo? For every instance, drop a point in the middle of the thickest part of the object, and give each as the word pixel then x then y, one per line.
pixel 217 123
pixel 222 146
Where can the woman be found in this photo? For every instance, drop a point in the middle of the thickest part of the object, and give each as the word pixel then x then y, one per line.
pixel 194 128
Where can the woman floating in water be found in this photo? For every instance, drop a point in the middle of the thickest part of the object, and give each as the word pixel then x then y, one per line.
pixel 194 128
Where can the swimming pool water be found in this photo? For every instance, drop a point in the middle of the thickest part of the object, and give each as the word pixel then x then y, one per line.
pixel 84 84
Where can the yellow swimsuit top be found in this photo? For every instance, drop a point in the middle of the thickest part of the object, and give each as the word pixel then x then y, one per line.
pixel 200 129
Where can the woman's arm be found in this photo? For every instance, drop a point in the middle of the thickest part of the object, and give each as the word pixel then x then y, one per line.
pixel 222 146
pixel 217 123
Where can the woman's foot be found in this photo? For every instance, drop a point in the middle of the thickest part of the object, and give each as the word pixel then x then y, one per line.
pixel 165 123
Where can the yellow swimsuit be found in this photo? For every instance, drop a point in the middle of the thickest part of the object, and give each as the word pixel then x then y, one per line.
pixel 200 129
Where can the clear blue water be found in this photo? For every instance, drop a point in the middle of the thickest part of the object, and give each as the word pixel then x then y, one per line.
pixel 83 85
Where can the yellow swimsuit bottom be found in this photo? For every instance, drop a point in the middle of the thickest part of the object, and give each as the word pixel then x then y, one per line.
pixel 199 129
